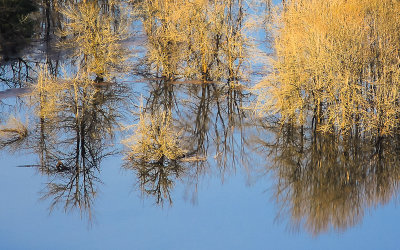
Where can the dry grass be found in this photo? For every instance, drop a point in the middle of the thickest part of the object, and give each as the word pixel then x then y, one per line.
pixel 13 131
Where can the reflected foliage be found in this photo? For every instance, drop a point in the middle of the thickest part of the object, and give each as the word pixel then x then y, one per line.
pixel 157 179
pixel 74 133
pixel 195 58
pixel 76 113
pixel 326 182
pixel 334 71
pixel 199 125
pixel 154 152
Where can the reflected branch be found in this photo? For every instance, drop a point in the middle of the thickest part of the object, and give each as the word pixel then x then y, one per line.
pixel 326 182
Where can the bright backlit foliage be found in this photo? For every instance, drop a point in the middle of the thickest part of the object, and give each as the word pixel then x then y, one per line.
pixel 336 66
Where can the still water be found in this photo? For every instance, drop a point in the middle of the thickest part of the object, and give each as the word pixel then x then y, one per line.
pixel 143 138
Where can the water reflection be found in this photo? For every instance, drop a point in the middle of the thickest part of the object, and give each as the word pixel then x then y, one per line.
pixel 190 114
pixel 17 29
pixel 326 182
pixel 184 132
pixel 191 124
pixel 214 121
pixel 200 76
pixel 189 120
pixel 74 131
pixel 157 147
pixel 76 105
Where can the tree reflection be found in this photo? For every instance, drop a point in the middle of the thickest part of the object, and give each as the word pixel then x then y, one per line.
pixel 213 117
pixel 182 128
pixel 195 58
pixel 74 133
pixel 157 179
pixel 77 103
pixel 156 148
pixel 327 181
pixel 198 50
pixel 191 117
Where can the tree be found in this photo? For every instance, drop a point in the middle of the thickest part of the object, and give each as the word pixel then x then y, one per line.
pixel 201 40
pixel 95 38
pixel 336 66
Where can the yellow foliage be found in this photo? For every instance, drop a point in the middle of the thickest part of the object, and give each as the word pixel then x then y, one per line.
pixel 197 39
pixel 154 138
pixel 96 38
pixel 94 33
pixel 57 98
pixel 336 63
pixel 47 94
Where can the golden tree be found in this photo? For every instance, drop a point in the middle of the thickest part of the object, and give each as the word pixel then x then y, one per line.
pixel 95 37
pixel 154 152
pixel 336 65
pixel 154 139
pixel 201 39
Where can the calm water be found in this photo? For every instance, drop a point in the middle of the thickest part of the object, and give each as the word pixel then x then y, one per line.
pixel 162 153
